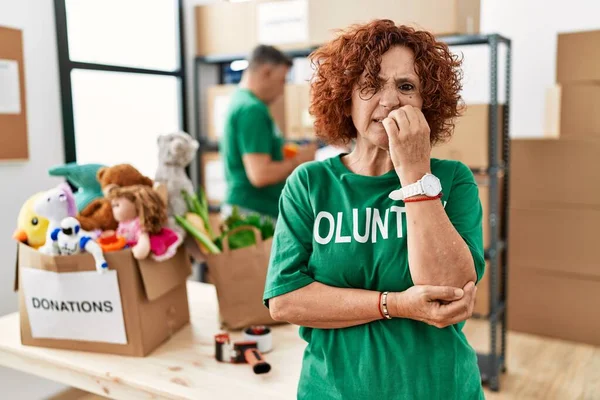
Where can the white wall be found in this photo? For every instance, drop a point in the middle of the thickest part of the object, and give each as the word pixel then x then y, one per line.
pixel 20 180
pixel 533 26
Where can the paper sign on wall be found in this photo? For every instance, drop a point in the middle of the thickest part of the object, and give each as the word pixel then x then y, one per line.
pixel 82 306
pixel 282 22
pixel 10 93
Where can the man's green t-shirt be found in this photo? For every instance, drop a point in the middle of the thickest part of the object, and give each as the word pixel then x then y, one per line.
pixel 249 128
pixel 341 229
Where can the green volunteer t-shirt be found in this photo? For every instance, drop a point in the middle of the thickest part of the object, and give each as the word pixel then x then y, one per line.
pixel 249 128
pixel 341 229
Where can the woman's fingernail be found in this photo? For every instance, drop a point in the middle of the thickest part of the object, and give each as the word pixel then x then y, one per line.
pixel 458 292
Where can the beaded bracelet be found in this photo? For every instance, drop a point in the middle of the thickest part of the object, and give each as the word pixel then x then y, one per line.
pixel 379 306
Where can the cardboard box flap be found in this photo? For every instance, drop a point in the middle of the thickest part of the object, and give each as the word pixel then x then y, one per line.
pixel 160 278
pixel 32 258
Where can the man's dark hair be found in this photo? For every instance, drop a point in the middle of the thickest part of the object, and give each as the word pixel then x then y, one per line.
pixel 263 54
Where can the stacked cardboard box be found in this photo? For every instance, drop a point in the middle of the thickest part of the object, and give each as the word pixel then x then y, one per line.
pixel 554 278
pixel 470 145
pixel 470 141
pixel 236 27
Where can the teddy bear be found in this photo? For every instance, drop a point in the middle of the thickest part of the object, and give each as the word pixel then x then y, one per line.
pixel 175 152
pixel 98 214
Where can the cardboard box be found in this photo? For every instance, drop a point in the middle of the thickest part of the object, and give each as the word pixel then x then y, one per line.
pixel 213 178
pixel 563 239
pixel 438 17
pixel 578 57
pixel 551 172
pixel 225 28
pixel 470 141
pixel 218 105
pixel 235 28
pixel 572 111
pixel 283 23
pixel 299 122
pixel 557 305
pixel 484 197
pixel 483 298
pixel 55 290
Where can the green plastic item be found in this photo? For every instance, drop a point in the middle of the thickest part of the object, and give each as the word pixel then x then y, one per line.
pixel 83 177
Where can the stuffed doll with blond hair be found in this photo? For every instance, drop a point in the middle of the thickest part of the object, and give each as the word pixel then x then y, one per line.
pixel 142 215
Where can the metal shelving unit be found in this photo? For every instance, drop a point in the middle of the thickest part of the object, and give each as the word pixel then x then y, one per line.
pixel 492 364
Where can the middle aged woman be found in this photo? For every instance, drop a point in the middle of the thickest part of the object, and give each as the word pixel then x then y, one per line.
pixel 376 252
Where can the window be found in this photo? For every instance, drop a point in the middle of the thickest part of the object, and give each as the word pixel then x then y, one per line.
pixel 122 78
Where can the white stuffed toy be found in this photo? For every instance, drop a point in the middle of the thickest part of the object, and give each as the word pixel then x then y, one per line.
pixel 69 239
pixel 55 205
pixel 175 152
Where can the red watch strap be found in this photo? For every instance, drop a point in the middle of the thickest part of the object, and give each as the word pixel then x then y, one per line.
pixel 424 198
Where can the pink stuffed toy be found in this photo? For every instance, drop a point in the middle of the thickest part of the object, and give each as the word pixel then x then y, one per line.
pixel 141 214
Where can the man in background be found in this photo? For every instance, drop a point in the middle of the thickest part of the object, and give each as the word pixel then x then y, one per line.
pixel 252 145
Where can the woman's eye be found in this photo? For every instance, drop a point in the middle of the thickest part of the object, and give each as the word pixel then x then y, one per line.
pixel 406 87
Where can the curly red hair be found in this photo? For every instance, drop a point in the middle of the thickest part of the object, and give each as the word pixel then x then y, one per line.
pixel 340 63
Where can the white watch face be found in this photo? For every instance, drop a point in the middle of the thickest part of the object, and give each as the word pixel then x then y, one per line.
pixel 431 185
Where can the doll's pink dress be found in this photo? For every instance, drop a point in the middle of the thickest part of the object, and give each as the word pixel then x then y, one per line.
pixel 163 245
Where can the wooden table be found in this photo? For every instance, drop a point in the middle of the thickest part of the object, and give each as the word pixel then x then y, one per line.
pixel 182 368
pixel 185 367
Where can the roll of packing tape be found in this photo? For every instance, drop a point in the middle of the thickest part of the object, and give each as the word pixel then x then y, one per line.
pixel 261 335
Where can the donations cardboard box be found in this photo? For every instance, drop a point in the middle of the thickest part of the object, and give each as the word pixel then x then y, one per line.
pixel 129 310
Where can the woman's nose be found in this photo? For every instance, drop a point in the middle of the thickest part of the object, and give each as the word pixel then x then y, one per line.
pixel 389 98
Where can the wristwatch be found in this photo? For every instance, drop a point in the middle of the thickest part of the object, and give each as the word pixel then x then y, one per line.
pixel 429 185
